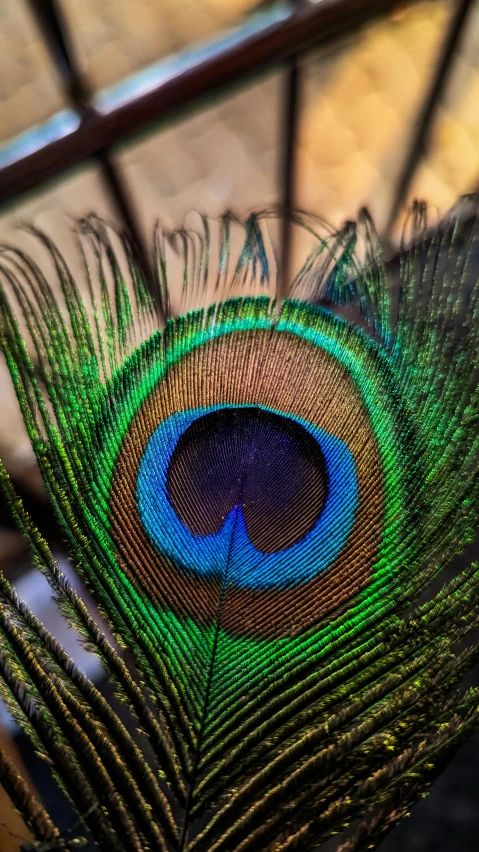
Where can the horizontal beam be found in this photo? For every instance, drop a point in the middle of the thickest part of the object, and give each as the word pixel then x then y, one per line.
pixel 307 26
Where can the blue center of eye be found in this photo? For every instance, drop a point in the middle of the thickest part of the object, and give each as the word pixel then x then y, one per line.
pixel 272 497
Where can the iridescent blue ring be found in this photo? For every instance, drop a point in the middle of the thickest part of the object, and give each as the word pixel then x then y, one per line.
pixel 207 555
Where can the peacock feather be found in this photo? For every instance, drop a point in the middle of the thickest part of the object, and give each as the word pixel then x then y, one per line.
pixel 264 497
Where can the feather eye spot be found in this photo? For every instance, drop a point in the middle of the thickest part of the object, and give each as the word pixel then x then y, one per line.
pixel 283 527
pixel 302 535
pixel 268 467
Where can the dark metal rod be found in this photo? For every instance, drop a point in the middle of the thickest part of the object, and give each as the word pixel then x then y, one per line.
pixel 52 24
pixel 430 106
pixel 308 26
pixel 121 198
pixel 290 131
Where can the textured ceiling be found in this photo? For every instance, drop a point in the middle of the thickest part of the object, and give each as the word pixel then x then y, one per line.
pixel 359 109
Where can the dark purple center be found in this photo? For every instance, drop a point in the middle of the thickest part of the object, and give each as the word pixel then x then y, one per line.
pixel 268 465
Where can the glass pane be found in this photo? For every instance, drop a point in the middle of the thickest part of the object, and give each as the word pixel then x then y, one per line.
pixel 360 102
pixel 116 37
pixel 223 157
pixel 30 91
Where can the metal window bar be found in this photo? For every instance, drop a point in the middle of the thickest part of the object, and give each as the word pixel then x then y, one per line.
pixel 309 24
